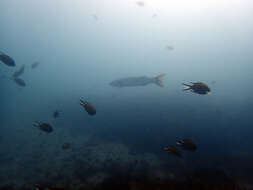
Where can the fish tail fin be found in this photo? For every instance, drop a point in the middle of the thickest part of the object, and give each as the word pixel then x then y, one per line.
pixel 186 86
pixel 36 124
pixel 158 80
pixel 83 103
pixel 179 143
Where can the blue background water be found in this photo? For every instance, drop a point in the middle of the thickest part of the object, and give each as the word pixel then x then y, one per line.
pixel 80 56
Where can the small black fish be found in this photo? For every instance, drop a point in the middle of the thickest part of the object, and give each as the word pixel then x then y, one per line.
pixel 19 82
pixel 188 144
pixel 34 65
pixel 170 48
pixel 198 87
pixel 65 146
pixel 43 126
pixel 95 17
pixel 56 114
pixel 173 150
pixel 38 187
pixel 19 72
pixel 90 109
pixel 7 60
pixel 140 3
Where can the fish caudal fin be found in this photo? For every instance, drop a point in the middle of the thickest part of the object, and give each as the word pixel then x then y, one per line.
pixel 35 124
pixel 83 103
pixel 186 86
pixel 158 80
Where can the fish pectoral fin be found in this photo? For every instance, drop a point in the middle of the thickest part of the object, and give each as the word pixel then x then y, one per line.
pixel 158 80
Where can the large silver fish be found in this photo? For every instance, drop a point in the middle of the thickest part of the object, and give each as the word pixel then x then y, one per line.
pixel 7 60
pixel 138 81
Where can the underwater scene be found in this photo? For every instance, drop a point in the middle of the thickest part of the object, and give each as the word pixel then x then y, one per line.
pixel 126 94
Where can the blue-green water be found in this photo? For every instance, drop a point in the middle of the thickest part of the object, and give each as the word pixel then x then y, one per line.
pixel 84 45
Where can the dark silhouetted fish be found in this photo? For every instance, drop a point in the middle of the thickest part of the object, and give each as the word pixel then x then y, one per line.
pixel 140 3
pixel 170 48
pixel 188 144
pixel 138 81
pixel 66 146
pixel 198 87
pixel 34 65
pixel 56 114
pixel 19 82
pixel 7 60
pixel 43 126
pixel 88 107
pixel 19 72
pixel 173 150
pixel 38 187
pixel 95 17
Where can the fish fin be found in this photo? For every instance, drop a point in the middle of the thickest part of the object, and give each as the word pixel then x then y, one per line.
pixel 158 80
pixel 36 124
pixel 186 86
pixel 83 103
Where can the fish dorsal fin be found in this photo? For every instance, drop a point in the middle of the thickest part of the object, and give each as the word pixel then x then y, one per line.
pixel 158 80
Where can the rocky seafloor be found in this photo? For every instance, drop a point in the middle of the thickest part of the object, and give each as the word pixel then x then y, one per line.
pixel 91 163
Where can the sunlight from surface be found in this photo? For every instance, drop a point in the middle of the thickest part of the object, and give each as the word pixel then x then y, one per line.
pixel 190 4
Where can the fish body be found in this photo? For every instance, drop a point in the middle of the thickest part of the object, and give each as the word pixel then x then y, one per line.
pixel 140 3
pixel 19 72
pixel 173 150
pixel 44 127
pixel 198 87
pixel 66 146
pixel 19 82
pixel 38 187
pixel 170 48
pixel 7 60
pixel 90 109
pixel 95 17
pixel 34 65
pixel 188 144
pixel 138 81
pixel 56 114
